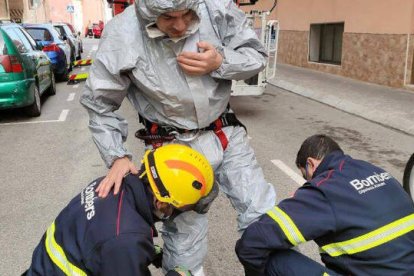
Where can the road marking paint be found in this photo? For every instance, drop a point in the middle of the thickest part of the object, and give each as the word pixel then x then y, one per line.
pixel 95 47
pixel 76 86
pixel 62 117
pixel 83 69
pixel 248 137
pixel 71 97
pixel 291 173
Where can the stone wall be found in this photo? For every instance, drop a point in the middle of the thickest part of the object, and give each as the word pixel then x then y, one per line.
pixel 376 58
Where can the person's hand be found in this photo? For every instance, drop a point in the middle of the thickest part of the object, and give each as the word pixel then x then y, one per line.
pixel 157 261
pixel 119 169
pixel 198 64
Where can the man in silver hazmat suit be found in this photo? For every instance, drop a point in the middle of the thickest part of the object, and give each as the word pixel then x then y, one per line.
pixel 174 60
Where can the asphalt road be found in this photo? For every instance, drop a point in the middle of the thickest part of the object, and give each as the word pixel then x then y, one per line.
pixel 46 161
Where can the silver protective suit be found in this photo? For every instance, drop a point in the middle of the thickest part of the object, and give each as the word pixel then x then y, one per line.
pixel 131 62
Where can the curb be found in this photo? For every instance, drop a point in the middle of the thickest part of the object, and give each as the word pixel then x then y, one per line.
pixel 382 118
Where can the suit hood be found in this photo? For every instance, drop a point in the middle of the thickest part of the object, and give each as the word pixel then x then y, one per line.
pixel 149 10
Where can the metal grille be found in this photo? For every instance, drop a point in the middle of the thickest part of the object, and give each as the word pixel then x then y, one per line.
pixel 16 14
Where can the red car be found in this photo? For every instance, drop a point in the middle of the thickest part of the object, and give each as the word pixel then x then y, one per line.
pixel 96 30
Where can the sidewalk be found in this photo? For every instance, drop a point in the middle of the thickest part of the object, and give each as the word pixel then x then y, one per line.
pixel 384 105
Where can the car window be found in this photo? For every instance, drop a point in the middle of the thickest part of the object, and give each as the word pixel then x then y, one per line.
pixel 3 46
pixel 31 40
pixel 40 34
pixel 24 39
pixel 67 30
pixel 60 30
pixel 16 41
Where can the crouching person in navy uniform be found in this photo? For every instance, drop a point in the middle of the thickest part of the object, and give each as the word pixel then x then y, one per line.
pixel 357 213
pixel 114 236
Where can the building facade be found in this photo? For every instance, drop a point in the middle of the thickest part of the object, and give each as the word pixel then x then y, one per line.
pixel 369 40
pixel 4 9
pixel 76 12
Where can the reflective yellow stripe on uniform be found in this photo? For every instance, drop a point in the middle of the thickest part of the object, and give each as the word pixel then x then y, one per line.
pixel 58 256
pixel 287 225
pixel 372 239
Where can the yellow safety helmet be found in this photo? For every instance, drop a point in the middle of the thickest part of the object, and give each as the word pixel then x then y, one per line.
pixel 178 174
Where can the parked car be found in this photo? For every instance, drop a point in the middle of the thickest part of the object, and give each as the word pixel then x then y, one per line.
pixel 54 46
pixel 76 34
pixel 96 30
pixel 25 71
pixel 75 43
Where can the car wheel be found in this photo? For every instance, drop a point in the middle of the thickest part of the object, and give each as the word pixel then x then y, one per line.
pixel 65 75
pixel 34 110
pixel 52 88
pixel 408 179
pixel 72 60
pixel 79 57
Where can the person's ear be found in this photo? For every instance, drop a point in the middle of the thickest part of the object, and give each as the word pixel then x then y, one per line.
pixel 159 205
pixel 310 163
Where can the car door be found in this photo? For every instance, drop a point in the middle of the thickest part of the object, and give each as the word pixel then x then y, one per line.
pixel 44 65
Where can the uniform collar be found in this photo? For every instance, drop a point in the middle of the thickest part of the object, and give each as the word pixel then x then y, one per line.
pixel 142 197
pixel 329 162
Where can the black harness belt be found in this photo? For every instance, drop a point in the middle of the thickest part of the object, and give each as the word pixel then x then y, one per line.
pixel 155 134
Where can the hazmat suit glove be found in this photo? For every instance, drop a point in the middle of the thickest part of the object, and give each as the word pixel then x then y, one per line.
pixel 207 60
pixel 179 271
pixel 157 261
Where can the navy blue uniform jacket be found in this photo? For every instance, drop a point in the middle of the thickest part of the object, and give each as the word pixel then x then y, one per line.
pixel 357 213
pixel 94 236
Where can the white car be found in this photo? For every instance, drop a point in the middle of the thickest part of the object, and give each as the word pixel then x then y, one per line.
pixel 74 40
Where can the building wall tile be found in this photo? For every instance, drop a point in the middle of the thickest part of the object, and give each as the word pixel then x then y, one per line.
pixel 376 58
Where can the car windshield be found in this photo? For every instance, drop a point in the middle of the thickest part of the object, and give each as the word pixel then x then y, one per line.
pixel 40 34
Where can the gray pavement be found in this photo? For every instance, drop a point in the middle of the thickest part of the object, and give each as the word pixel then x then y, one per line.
pixel 387 106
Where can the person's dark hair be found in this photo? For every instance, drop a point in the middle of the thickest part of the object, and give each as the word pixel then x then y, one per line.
pixel 316 146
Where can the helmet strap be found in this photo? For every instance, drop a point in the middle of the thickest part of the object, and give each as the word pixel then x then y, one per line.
pixel 155 176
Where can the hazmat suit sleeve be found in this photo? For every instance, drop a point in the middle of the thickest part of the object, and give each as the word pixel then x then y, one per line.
pixel 304 217
pixel 243 54
pixel 128 254
pixel 104 92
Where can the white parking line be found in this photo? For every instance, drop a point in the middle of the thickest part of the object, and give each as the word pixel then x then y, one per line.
pixel 291 173
pixel 248 137
pixel 62 117
pixel 95 47
pixel 76 86
pixel 71 97
pixel 83 69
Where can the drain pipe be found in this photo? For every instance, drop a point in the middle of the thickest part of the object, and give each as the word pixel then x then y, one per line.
pixel 406 59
